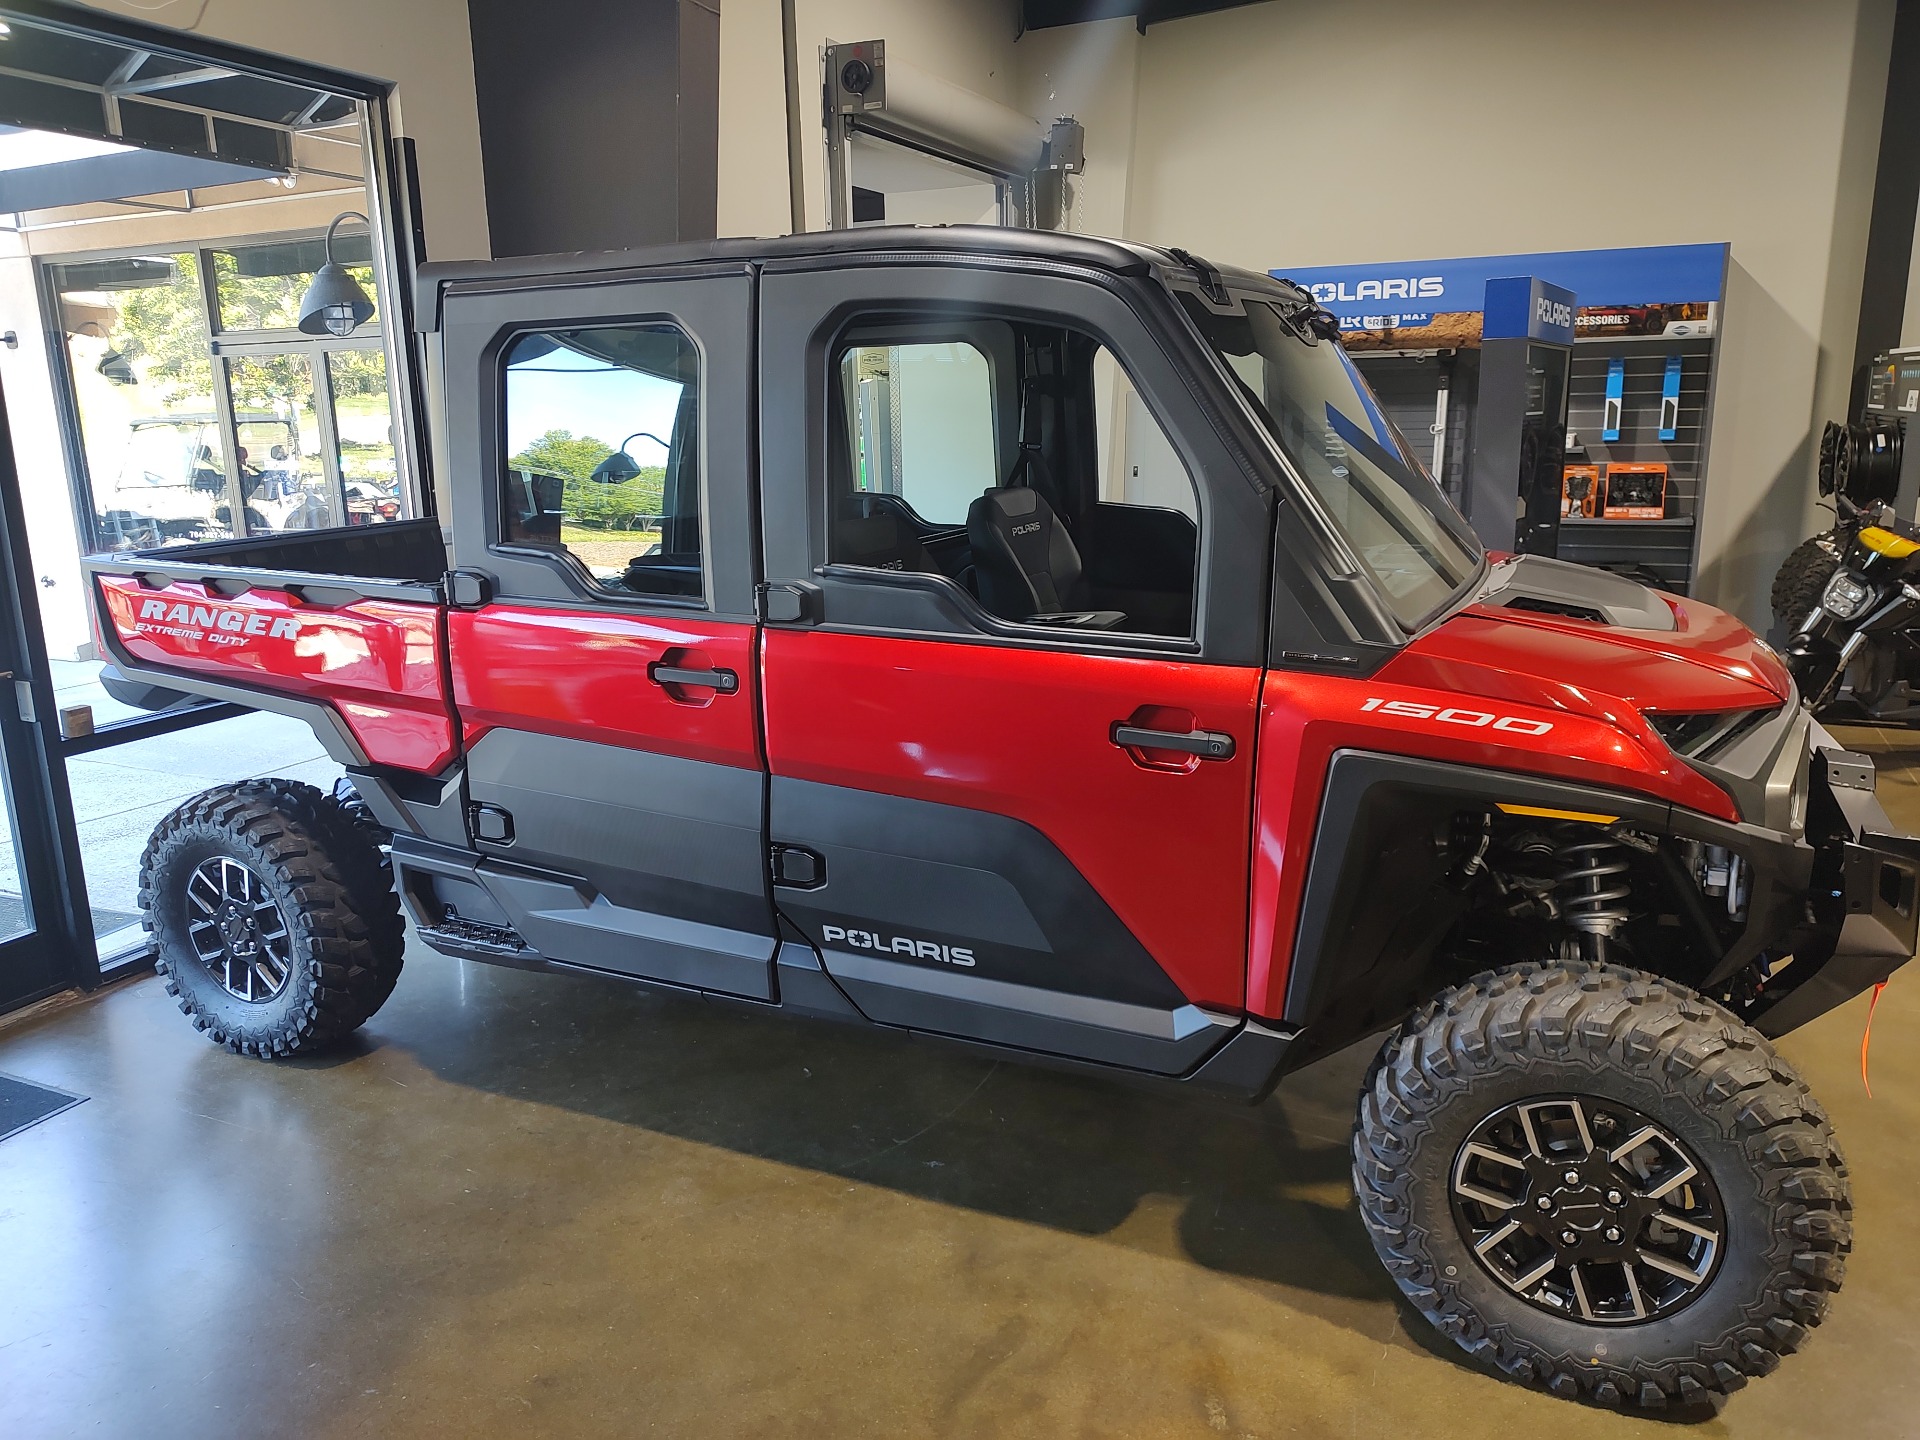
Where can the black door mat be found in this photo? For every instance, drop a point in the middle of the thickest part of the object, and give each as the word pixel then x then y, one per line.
pixel 13 918
pixel 24 1104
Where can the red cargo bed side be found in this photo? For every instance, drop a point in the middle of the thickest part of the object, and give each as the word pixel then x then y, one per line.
pixel 377 664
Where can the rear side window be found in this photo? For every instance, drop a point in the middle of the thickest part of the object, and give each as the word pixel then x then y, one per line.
pixel 603 455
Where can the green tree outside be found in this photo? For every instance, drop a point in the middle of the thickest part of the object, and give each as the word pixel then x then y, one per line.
pixel 592 504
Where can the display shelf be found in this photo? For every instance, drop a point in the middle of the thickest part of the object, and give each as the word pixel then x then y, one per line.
pixel 1595 522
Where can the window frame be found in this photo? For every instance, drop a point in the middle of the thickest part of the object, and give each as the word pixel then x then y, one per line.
pixel 478 316
pixel 803 302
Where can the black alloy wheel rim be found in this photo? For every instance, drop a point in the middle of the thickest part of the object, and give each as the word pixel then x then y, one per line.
pixel 1588 1210
pixel 237 930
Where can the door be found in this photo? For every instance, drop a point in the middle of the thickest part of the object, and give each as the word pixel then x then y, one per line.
pixel 604 665
pixel 1012 662
pixel 44 930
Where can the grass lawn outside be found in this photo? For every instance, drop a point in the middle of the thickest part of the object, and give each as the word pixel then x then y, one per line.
pixel 607 549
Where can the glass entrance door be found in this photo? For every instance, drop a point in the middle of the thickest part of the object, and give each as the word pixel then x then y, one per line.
pixel 16 914
pixel 44 929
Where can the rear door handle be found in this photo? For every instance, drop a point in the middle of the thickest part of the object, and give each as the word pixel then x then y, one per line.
pixel 725 681
pixel 1207 744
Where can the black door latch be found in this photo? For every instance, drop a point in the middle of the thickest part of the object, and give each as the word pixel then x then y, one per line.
pixel 798 868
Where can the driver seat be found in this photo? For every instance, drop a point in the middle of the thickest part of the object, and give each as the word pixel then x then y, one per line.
pixel 1025 561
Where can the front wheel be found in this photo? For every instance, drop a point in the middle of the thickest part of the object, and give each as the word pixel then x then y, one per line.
pixel 1601 1183
pixel 273 916
pixel 1802 579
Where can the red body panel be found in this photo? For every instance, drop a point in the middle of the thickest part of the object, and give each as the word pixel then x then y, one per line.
pixel 1709 661
pixel 375 662
pixel 1589 683
pixel 1163 838
pixel 582 674
pixel 1026 733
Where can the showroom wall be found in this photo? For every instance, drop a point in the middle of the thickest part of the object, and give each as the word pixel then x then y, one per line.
pixel 1315 132
pixel 967 42
pixel 597 125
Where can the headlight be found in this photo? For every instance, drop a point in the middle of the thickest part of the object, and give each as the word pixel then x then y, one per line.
pixel 1846 597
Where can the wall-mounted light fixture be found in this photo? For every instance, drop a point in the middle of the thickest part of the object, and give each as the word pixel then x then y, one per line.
pixel 113 365
pixel 620 467
pixel 334 303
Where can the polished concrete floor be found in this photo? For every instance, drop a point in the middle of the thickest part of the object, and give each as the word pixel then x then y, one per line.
pixel 528 1205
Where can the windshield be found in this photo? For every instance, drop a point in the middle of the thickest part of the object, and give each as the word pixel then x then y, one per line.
pixel 1327 421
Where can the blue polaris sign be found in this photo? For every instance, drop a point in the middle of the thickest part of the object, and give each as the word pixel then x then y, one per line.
pixel 1520 307
pixel 1410 293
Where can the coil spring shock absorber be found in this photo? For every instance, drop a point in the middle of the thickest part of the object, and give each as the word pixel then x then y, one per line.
pixel 1592 891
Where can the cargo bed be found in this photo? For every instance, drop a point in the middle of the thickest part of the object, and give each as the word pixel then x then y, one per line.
pixel 344 628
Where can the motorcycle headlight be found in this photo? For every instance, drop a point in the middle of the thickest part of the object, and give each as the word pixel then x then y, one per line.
pixel 1845 596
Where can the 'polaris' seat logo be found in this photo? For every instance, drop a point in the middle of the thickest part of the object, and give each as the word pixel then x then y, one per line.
pixel 1454 715
pixel 896 945
pixel 1026 529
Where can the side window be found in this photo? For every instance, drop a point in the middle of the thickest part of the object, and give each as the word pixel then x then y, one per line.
pixel 921 424
pixel 1138 464
pixel 602 455
pixel 1018 461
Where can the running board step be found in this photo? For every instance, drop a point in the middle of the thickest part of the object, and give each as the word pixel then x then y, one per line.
pixel 475 937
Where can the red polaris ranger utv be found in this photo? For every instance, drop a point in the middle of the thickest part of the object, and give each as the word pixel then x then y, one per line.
pixel 1048 644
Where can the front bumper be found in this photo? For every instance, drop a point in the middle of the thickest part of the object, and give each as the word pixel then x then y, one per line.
pixel 1862 902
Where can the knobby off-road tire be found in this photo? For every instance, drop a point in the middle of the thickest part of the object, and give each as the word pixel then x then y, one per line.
pixel 1802 579
pixel 274 917
pixel 1627 1040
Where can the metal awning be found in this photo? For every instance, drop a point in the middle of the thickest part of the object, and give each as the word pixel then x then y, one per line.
pixel 41 170
pixel 145 122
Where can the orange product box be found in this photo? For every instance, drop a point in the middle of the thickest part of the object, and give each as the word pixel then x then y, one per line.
pixel 1579 491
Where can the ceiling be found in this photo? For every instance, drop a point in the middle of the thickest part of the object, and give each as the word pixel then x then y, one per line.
pixel 1046 14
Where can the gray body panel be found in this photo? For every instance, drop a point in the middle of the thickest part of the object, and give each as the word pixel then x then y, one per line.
pixel 648 864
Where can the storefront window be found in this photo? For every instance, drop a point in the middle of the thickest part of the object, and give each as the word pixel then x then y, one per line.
pixel 363 425
pixel 307 441
pixel 277 435
pixel 137 342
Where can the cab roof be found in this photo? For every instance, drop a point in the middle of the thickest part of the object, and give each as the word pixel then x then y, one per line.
pixel 1123 257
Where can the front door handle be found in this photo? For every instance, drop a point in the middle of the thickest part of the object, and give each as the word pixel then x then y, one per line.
pixel 725 681
pixel 1207 744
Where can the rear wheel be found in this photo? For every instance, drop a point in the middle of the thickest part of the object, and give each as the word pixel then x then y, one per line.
pixel 273 915
pixel 1601 1183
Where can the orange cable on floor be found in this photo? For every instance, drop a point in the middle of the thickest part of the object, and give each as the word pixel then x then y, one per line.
pixel 1866 1037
